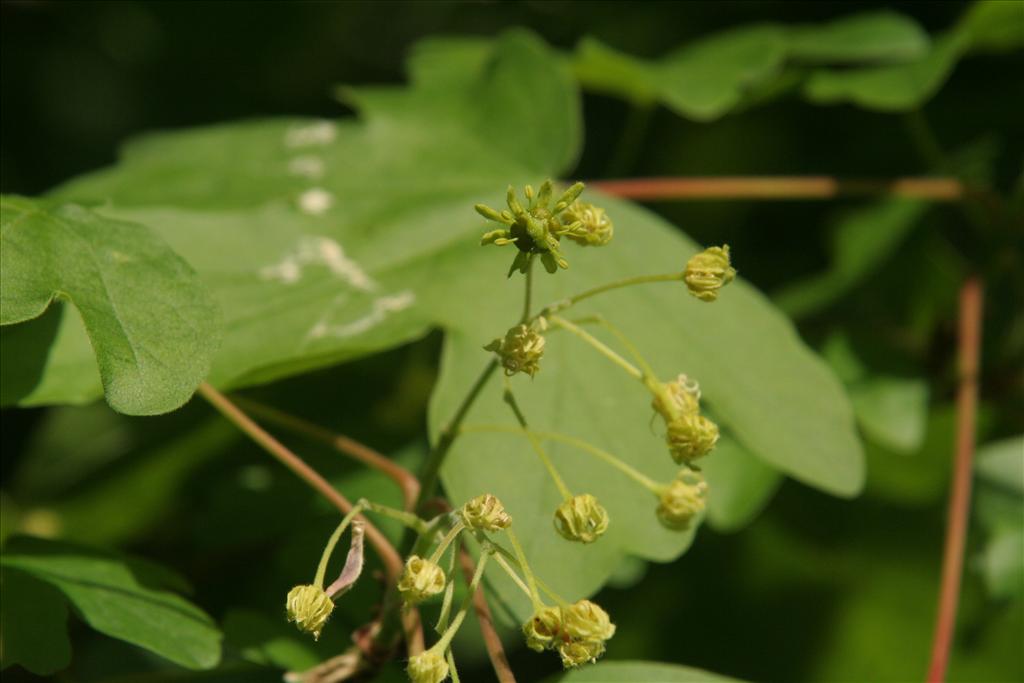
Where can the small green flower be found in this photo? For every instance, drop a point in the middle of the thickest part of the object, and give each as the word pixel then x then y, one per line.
pixel 421 579
pixel 542 629
pixel 427 667
pixel 486 513
pixel 520 350
pixel 309 607
pixel 674 399
pixel 534 229
pixel 682 500
pixel 595 229
pixel 709 271
pixel 690 437
pixel 581 518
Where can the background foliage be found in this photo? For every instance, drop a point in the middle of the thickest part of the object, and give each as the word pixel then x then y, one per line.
pixel 815 588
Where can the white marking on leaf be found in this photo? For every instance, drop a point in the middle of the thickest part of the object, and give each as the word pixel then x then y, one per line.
pixel 312 134
pixel 382 308
pixel 307 166
pixel 321 251
pixel 316 201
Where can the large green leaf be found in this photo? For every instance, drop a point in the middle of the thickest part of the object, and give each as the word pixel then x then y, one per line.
pixel 150 322
pixel 118 599
pixel 1000 509
pixel 316 257
pixel 33 624
pixel 637 672
pixel 872 36
pixel 741 485
pixel 776 397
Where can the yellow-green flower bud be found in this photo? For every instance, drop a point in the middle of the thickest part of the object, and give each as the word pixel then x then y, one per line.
pixel 581 518
pixel 690 437
pixel 427 667
pixel 579 652
pixel 674 399
pixel 682 500
pixel 421 579
pixel 486 513
pixel 585 620
pixel 309 607
pixel 587 224
pixel 520 350
pixel 543 628
pixel 709 271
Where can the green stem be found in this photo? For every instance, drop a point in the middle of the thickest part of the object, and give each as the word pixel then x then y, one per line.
pixel 529 290
pixel 617 284
pixel 410 520
pixel 447 540
pixel 446 637
pixel 503 563
pixel 623 339
pixel 598 345
pixel 615 462
pixel 524 566
pixel 432 467
pixel 510 399
pixel 321 570
pixel 451 666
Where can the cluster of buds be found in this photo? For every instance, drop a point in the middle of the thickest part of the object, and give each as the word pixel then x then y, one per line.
pixel 581 518
pixel 709 271
pixel 521 348
pixel 681 500
pixel 422 579
pixel 485 513
pixel 690 435
pixel 538 227
pixel 578 632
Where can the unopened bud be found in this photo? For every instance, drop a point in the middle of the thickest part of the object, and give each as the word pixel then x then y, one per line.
pixel 486 513
pixel 690 437
pixel 585 620
pixel 519 351
pixel 427 667
pixel 709 271
pixel 542 629
pixel 581 518
pixel 579 652
pixel 309 607
pixel 421 579
pixel 682 500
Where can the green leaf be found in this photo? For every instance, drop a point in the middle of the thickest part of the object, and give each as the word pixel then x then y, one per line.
pixel 741 485
pixel 33 624
pixel 861 243
pixel 603 69
pixel 869 37
pixel 1002 463
pixel 892 411
pixel 635 672
pixel 742 351
pixel 994 26
pixel 149 320
pixel 270 642
pixel 116 598
pixel 890 88
pixel 1000 509
pixel 304 285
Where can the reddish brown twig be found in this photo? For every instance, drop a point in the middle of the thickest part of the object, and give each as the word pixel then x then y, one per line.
pixel 389 556
pixel 969 351
pixel 404 478
pixel 779 187
pixel 483 615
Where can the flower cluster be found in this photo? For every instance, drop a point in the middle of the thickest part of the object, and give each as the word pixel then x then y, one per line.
pixel 309 607
pixel 581 518
pixel 427 667
pixel 485 513
pixel 709 271
pixel 578 632
pixel 539 227
pixel 422 579
pixel 681 500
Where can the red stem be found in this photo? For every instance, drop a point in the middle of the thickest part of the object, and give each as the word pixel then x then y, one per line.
pixel 969 349
pixel 779 187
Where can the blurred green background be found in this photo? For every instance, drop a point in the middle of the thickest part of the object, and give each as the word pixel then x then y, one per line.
pixel 814 589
